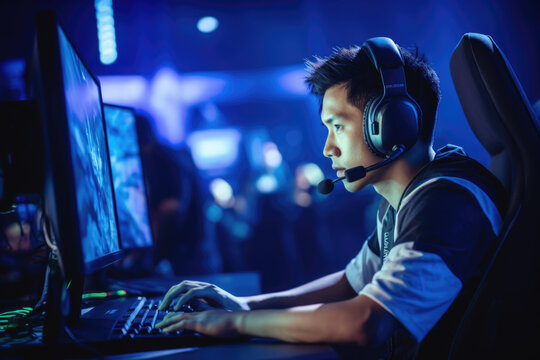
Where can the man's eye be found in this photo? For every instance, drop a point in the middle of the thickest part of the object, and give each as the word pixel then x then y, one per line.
pixel 338 127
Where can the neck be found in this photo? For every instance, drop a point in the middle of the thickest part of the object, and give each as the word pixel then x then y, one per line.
pixel 399 174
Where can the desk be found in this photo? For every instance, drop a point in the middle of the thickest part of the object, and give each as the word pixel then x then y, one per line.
pixel 243 351
pixel 262 349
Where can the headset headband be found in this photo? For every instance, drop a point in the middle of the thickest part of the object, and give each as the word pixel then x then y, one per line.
pixel 386 58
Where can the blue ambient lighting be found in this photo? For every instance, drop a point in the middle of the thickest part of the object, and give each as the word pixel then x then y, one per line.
pixel 271 154
pixel 267 184
pixel 207 24
pixel 106 33
pixel 222 192
pixel 214 149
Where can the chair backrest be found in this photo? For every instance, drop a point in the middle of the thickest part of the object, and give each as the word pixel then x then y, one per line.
pixel 503 309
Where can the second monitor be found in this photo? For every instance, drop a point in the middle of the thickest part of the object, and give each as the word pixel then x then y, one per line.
pixel 128 179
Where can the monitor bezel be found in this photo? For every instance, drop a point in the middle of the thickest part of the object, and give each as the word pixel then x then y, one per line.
pixel 59 189
pixel 146 193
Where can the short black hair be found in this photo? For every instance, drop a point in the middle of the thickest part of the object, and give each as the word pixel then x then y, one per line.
pixel 353 68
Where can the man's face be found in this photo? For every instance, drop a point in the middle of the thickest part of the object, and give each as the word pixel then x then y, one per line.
pixel 345 144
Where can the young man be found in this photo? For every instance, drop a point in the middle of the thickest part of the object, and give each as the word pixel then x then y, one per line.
pixel 439 215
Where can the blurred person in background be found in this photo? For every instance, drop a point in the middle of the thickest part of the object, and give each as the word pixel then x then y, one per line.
pixel 175 201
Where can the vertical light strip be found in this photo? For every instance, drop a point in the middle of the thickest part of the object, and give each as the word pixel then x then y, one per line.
pixel 106 32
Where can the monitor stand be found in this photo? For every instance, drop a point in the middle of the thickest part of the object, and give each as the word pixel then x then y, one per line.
pixel 57 307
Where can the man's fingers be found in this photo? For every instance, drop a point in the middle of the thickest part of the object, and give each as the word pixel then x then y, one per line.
pixel 174 291
pixel 170 319
pixel 199 305
pixel 184 324
pixel 204 292
pixel 188 290
pixel 174 327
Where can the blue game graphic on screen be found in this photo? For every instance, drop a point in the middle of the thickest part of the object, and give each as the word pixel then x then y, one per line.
pixel 95 203
pixel 127 178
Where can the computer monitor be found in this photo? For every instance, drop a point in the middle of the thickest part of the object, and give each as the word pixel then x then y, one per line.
pixel 78 194
pixel 127 171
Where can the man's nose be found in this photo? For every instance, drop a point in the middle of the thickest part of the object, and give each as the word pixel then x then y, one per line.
pixel 330 148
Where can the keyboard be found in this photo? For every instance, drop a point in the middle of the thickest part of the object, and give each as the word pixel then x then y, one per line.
pixel 127 324
pixel 142 316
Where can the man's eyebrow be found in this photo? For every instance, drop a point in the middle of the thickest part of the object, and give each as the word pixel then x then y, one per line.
pixel 328 121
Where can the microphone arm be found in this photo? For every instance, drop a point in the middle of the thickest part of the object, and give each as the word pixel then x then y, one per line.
pixel 356 173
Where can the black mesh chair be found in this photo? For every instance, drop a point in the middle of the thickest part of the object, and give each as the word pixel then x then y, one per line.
pixel 501 319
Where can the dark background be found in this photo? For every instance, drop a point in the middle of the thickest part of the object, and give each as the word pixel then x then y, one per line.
pixel 247 75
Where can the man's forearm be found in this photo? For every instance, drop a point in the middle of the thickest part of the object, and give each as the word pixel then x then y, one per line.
pixel 359 320
pixel 330 288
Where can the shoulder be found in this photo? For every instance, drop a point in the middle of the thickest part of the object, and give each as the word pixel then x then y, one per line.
pixel 453 164
pixel 450 190
pixel 452 184
pixel 452 218
pixel 450 196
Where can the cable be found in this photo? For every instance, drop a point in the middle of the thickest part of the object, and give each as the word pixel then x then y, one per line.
pixel 13 313
pixel 52 243
pixel 12 210
pixel 46 235
pixel 45 291
pixel 17 326
pixel 12 322
pixel 55 255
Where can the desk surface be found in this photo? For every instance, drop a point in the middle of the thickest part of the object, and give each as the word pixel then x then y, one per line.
pixel 239 351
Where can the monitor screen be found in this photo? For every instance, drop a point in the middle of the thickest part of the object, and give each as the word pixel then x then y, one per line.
pixel 79 203
pixel 93 188
pixel 128 180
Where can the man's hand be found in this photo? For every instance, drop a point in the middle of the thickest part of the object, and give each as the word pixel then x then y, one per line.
pixel 214 322
pixel 197 290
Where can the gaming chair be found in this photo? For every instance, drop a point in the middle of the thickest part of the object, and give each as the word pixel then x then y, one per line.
pixel 502 317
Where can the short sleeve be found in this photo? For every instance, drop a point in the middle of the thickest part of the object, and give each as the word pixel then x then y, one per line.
pixel 364 265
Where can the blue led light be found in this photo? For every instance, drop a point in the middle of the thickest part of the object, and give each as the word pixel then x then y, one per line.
pixel 222 192
pixel 266 183
pixel 271 154
pixel 106 32
pixel 214 149
pixel 207 24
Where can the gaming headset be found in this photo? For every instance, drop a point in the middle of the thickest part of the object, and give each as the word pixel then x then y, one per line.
pixel 392 121
pixel 393 118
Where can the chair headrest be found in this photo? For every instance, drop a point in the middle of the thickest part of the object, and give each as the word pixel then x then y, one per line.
pixel 495 106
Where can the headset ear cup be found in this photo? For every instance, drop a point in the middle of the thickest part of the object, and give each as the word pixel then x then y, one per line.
pixel 368 117
pixel 397 118
pixel 410 123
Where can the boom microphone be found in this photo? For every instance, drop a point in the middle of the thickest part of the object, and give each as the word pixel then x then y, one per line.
pixel 356 173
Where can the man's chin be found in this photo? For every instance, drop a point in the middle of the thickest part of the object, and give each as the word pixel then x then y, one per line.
pixel 354 186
